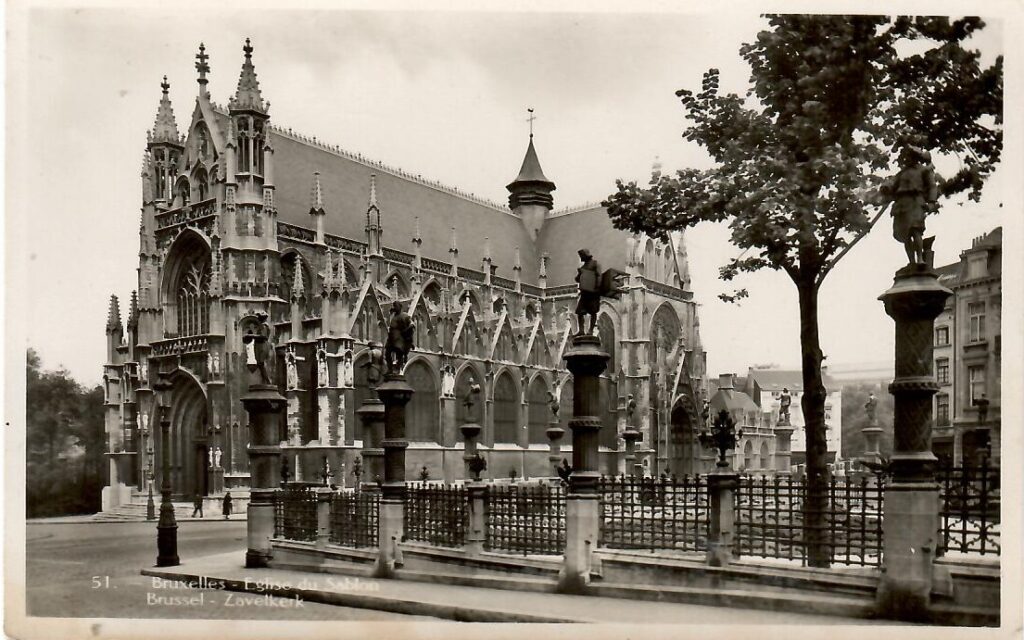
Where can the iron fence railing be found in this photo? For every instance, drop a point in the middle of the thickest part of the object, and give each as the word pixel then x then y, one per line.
pixel 770 519
pixel 969 512
pixel 354 518
pixel 527 519
pixel 295 513
pixel 652 513
pixel 436 513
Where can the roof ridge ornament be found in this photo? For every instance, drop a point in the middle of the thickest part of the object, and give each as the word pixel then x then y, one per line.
pixel 165 128
pixel 247 95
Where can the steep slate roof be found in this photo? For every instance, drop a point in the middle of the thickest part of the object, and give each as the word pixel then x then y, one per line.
pixel 563 234
pixel 775 379
pixel 346 190
pixel 531 171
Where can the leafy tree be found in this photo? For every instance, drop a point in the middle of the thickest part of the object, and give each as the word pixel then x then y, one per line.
pixel 832 101
pixel 64 442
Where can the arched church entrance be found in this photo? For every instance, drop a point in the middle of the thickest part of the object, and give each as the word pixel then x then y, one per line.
pixel 682 441
pixel 190 445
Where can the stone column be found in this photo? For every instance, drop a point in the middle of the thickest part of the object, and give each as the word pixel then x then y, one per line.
pixel 475 493
pixel 323 516
pixel 371 414
pixel 872 433
pixel 470 432
pixel 911 513
pixel 264 405
pixel 586 361
pixel 554 433
pixel 783 449
pixel 722 487
pixel 395 394
pixel 631 467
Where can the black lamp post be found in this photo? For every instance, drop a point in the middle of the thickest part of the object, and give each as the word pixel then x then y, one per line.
pixel 167 527
pixel 723 436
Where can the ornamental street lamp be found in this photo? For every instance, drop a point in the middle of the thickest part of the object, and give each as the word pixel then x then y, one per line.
pixel 723 436
pixel 167 527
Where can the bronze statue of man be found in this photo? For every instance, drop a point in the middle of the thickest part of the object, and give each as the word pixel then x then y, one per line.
pixel 588 275
pixel 913 194
pixel 400 338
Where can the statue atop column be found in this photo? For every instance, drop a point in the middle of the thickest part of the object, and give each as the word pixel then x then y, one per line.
pixel 784 401
pixel 588 275
pixel 400 339
pixel 869 408
pixel 594 285
pixel 256 349
pixel 913 194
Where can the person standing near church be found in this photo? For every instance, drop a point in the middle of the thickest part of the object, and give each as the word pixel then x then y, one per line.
pixel 227 504
pixel 197 505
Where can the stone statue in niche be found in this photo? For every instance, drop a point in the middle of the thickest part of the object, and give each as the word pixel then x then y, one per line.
pixel 347 370
pixel 322 375
pixel 216 458
pixel 291 362
pixel 448 381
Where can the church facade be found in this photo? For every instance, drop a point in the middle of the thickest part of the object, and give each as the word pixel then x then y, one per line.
pixel 241 217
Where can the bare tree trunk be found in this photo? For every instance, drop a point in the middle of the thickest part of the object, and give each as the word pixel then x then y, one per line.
pixel 813 407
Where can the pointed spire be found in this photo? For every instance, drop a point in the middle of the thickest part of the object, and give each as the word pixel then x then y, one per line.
pixel 114 316
pixel 247 95
pixel 340 276
pixel 133 311
pixel 298 288
pixel 373 194
pixel 487 248
pixel 203 68
pixel 317 197
pixel 531 171
pixel 328 273
pixel 165 129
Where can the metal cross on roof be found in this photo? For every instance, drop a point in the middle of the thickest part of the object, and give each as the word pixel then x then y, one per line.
pixel 530 120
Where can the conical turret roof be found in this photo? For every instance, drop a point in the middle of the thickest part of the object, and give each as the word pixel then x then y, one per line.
pixel 531 171
pixel 247 95
pixel 165 129
pixel 114 315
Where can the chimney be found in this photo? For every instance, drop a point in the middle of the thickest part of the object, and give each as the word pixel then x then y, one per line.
pixel 725 381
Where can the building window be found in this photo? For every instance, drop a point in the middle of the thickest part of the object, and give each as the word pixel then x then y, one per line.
pixel 942 410
pixel 976 377
pixel 942 370
pixel 941 336
pixel 976 321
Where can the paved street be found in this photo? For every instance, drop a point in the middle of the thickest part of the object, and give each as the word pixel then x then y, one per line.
pixel 92 570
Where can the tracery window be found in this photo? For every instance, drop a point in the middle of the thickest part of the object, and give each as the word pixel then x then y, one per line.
pixel 193 301
pixel 506 409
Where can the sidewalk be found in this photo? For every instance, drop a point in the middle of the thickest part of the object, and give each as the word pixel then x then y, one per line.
pixel 97 518
pixel 463 603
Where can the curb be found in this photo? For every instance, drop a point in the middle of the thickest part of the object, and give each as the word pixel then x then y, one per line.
pixel 379 603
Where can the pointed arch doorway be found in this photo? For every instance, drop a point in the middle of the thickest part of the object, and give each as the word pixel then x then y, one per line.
pixel 190 446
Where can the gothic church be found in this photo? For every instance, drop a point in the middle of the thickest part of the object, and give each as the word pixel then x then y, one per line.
pixel 241 217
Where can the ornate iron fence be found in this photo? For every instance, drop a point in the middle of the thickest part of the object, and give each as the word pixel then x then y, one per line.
pixel 770 519
pixel 354 518
pixel 969 515
pixel 295 513
pixel 436 513
pixel 525 519
pixel 652 513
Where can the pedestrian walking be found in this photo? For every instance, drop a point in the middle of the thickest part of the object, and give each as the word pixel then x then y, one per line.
pixel 198 506
pixel 227 504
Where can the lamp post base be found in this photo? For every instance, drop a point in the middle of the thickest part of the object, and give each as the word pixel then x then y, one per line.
pixel 167 546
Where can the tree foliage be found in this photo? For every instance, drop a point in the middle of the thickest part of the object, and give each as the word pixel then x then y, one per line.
pixel 64 441
pixel 797 161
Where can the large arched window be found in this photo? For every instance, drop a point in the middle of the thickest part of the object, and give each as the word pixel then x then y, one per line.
pixel 368 326
pixel 748 455
pixel 244 151
pixel 765 456
pixel 194 300
pixel 421 414
pixel 202 184
pixel 540 412
pixel 505 349
pixel 606 332
pixel 185 287
pixel 432 294
pixel 467 378
pixel 506 409
pixel 468 337
pixel 426 337
pixel 362 392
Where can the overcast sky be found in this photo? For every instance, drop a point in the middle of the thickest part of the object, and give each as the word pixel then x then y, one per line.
pixel 439 94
